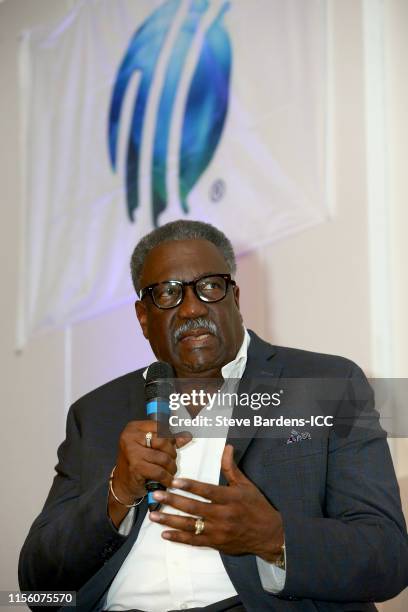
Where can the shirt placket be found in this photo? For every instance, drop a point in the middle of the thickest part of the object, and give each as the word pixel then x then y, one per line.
pixel 178 556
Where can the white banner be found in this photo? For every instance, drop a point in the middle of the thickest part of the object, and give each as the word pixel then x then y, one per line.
pixel 141 112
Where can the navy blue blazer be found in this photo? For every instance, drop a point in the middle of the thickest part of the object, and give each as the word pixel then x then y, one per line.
pixel 345 534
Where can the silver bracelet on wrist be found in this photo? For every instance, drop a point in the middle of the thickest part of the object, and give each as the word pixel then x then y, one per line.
pixel 117 498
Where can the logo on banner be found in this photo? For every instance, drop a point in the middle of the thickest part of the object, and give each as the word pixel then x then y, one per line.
pixel 205 105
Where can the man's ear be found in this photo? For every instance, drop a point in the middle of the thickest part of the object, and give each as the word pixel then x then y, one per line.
pixel 236 300
pixel 236 295
pixel 141 314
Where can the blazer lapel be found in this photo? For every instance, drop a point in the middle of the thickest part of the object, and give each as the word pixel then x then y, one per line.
pixel 262 374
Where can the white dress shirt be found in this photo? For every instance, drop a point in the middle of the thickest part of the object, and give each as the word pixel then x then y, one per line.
pixel 159 575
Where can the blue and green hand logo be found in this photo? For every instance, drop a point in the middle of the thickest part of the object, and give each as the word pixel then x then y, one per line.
pixel 205 109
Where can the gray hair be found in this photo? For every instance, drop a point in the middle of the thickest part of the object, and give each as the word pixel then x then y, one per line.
pixel 179 230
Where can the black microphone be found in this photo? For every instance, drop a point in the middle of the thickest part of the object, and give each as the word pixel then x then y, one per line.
pixel 158 387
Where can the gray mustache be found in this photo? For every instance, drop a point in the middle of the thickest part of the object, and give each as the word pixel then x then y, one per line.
pixel 192 324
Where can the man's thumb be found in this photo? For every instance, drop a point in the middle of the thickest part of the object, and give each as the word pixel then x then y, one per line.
pixel 183 438
pixel 229 468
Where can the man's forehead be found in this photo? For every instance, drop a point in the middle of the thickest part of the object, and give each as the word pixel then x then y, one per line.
pixel 182 260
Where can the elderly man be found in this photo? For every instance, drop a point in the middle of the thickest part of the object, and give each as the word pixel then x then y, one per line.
pixel 312 525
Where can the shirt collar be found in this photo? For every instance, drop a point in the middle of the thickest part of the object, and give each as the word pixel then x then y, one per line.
pixel 236 367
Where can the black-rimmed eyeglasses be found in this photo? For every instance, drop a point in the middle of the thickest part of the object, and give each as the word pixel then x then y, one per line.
pixel 170 293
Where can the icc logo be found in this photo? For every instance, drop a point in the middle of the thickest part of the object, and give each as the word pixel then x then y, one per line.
pixel 204 109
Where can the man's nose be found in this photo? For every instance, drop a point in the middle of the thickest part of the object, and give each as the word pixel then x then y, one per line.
pixel 191 307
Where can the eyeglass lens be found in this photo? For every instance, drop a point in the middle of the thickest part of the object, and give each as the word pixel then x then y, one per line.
pixel 170 293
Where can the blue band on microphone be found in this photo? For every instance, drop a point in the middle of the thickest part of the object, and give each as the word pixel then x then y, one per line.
pixel 157 406
pixel 150 498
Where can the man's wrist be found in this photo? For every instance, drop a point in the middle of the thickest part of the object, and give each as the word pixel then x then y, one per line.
pixel 280 561
pixel 116 512
pixel 120 492
pixel 118 507
pixel 273 548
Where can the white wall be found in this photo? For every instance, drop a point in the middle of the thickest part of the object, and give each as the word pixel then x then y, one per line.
pixel 396 91
pixel 318 292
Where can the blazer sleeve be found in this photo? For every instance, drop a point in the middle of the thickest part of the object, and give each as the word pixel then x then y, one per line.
pixel 73 536
pixel 359 550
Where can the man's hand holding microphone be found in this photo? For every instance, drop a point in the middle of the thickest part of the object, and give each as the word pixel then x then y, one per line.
pixel 146 462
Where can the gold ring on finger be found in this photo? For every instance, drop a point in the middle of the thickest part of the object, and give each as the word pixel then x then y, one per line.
pixel 149 437
pixel 199 526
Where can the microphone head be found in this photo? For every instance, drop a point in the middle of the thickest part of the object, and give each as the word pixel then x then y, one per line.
pixel 157 370
pixel 159 382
